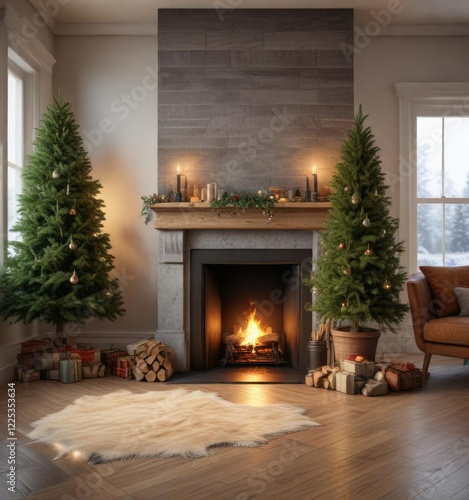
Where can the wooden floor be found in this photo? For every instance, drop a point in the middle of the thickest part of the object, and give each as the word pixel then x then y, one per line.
pixel 412 445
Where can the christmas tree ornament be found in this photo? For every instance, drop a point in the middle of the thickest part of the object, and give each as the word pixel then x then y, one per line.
pixel 55 174
pixel 68 188
pixel 73 246
pixel 346 189
pixel 341 245
pixel 387 285
pixel 384 232
pixel 73 211
pixel 356 198
pixel 344 305
pixel 315 290
pixel 74 278
pixel 366 222
pixel 347 271
pixel 109 294
pixel 368 250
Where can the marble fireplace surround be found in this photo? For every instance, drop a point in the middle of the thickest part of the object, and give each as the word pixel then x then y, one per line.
pixel 175 245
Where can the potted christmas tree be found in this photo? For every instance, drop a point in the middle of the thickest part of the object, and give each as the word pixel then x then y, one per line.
pixel 60 268
pixel 358 277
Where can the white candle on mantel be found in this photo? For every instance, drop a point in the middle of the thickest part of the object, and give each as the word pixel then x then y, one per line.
pixel 315 179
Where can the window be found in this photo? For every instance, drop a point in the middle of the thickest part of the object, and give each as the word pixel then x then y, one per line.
pixel 442 201
pixel 434 173
pixel 20 119
pixel 15 145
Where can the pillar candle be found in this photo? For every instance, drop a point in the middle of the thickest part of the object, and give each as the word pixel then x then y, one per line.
pixel 203 194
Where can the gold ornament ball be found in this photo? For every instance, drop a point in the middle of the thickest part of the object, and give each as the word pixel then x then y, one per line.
pixel 74 278
pixel 366 221
pixel 356 198
pixel 346 189
pixel 315 290
pixel 387 285
pixel 342 245
pixel 73 246
pixel 109 294
pixel 368 250
pixel 55 174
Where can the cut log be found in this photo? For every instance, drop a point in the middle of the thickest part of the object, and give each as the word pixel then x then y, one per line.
pixel 150 376
pixel 151 344
pixel 143 366
pixel 155 366
pixel 150 359
pixel 161 375
pixel 141 348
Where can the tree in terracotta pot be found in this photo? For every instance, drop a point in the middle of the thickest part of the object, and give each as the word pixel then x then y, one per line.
pixel 358 277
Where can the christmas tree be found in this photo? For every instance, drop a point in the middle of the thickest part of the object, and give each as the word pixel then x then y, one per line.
pixel 59 270
pixel 358 276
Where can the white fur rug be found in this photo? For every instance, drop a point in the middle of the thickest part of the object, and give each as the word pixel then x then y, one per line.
pixel 165 424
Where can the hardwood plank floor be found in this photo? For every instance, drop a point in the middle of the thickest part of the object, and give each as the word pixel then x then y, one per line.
pixel 412 445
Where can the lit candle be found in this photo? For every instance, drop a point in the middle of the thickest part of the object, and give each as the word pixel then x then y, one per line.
pixel 307 189
pixel 315 183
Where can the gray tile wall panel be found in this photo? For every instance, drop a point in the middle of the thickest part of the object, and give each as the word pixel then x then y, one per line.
pixel 250 98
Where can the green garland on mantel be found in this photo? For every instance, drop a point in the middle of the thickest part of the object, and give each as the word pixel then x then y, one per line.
pixel 236 201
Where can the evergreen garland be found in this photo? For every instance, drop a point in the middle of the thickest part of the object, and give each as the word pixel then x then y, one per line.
pixel 60 269
pixel 358 275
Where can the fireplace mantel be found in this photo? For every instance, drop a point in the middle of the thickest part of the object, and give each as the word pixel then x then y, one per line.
pixel 287 216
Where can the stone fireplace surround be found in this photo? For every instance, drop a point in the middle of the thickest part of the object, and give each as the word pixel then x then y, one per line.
pixel 174 315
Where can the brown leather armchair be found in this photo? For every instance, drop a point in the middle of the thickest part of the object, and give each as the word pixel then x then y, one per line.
pixel 444 336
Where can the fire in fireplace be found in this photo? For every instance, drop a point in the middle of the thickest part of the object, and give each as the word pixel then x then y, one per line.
pixel 222 284
pixel 253 343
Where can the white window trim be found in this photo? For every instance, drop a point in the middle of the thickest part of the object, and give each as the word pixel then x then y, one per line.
pixel 37 57
pixel 414 98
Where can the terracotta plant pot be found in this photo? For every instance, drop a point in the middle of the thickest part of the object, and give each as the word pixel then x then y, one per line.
pixel 363 342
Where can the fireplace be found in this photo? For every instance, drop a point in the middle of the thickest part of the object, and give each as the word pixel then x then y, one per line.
pixel 227 286
pixel 203 252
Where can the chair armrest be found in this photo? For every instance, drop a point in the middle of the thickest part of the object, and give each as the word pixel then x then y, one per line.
pixel 420 302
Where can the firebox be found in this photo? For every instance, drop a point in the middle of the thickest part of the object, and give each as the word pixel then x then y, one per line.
pixel 247 308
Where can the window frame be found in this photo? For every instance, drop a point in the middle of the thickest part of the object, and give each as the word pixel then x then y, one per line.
pixel 421 99
pixel 21 70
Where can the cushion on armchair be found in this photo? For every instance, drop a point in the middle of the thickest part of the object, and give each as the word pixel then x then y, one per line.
pixel 442 281
pixel 462 296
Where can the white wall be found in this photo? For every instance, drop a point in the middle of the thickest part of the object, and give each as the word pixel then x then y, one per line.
pixel 111 84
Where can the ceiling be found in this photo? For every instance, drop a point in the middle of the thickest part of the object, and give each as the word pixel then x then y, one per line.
pixel 408 12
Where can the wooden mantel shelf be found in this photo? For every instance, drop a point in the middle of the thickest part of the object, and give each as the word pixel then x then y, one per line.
pixel 287 216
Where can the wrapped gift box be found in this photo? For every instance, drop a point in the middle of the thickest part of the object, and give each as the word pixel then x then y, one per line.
pixel 108 356
pixel 70 371
pixel 93 369
pixel 48 360
pixel 364 368
pixel 50 374
pixel 345 382
pixel 25 374
pixel 86 355
pixel 124 372
pixel 36 345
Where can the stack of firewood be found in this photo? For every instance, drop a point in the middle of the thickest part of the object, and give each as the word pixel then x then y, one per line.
pixel 152 361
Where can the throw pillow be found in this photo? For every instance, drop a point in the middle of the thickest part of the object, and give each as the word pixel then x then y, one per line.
pixel 462 296
pixel 442 280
